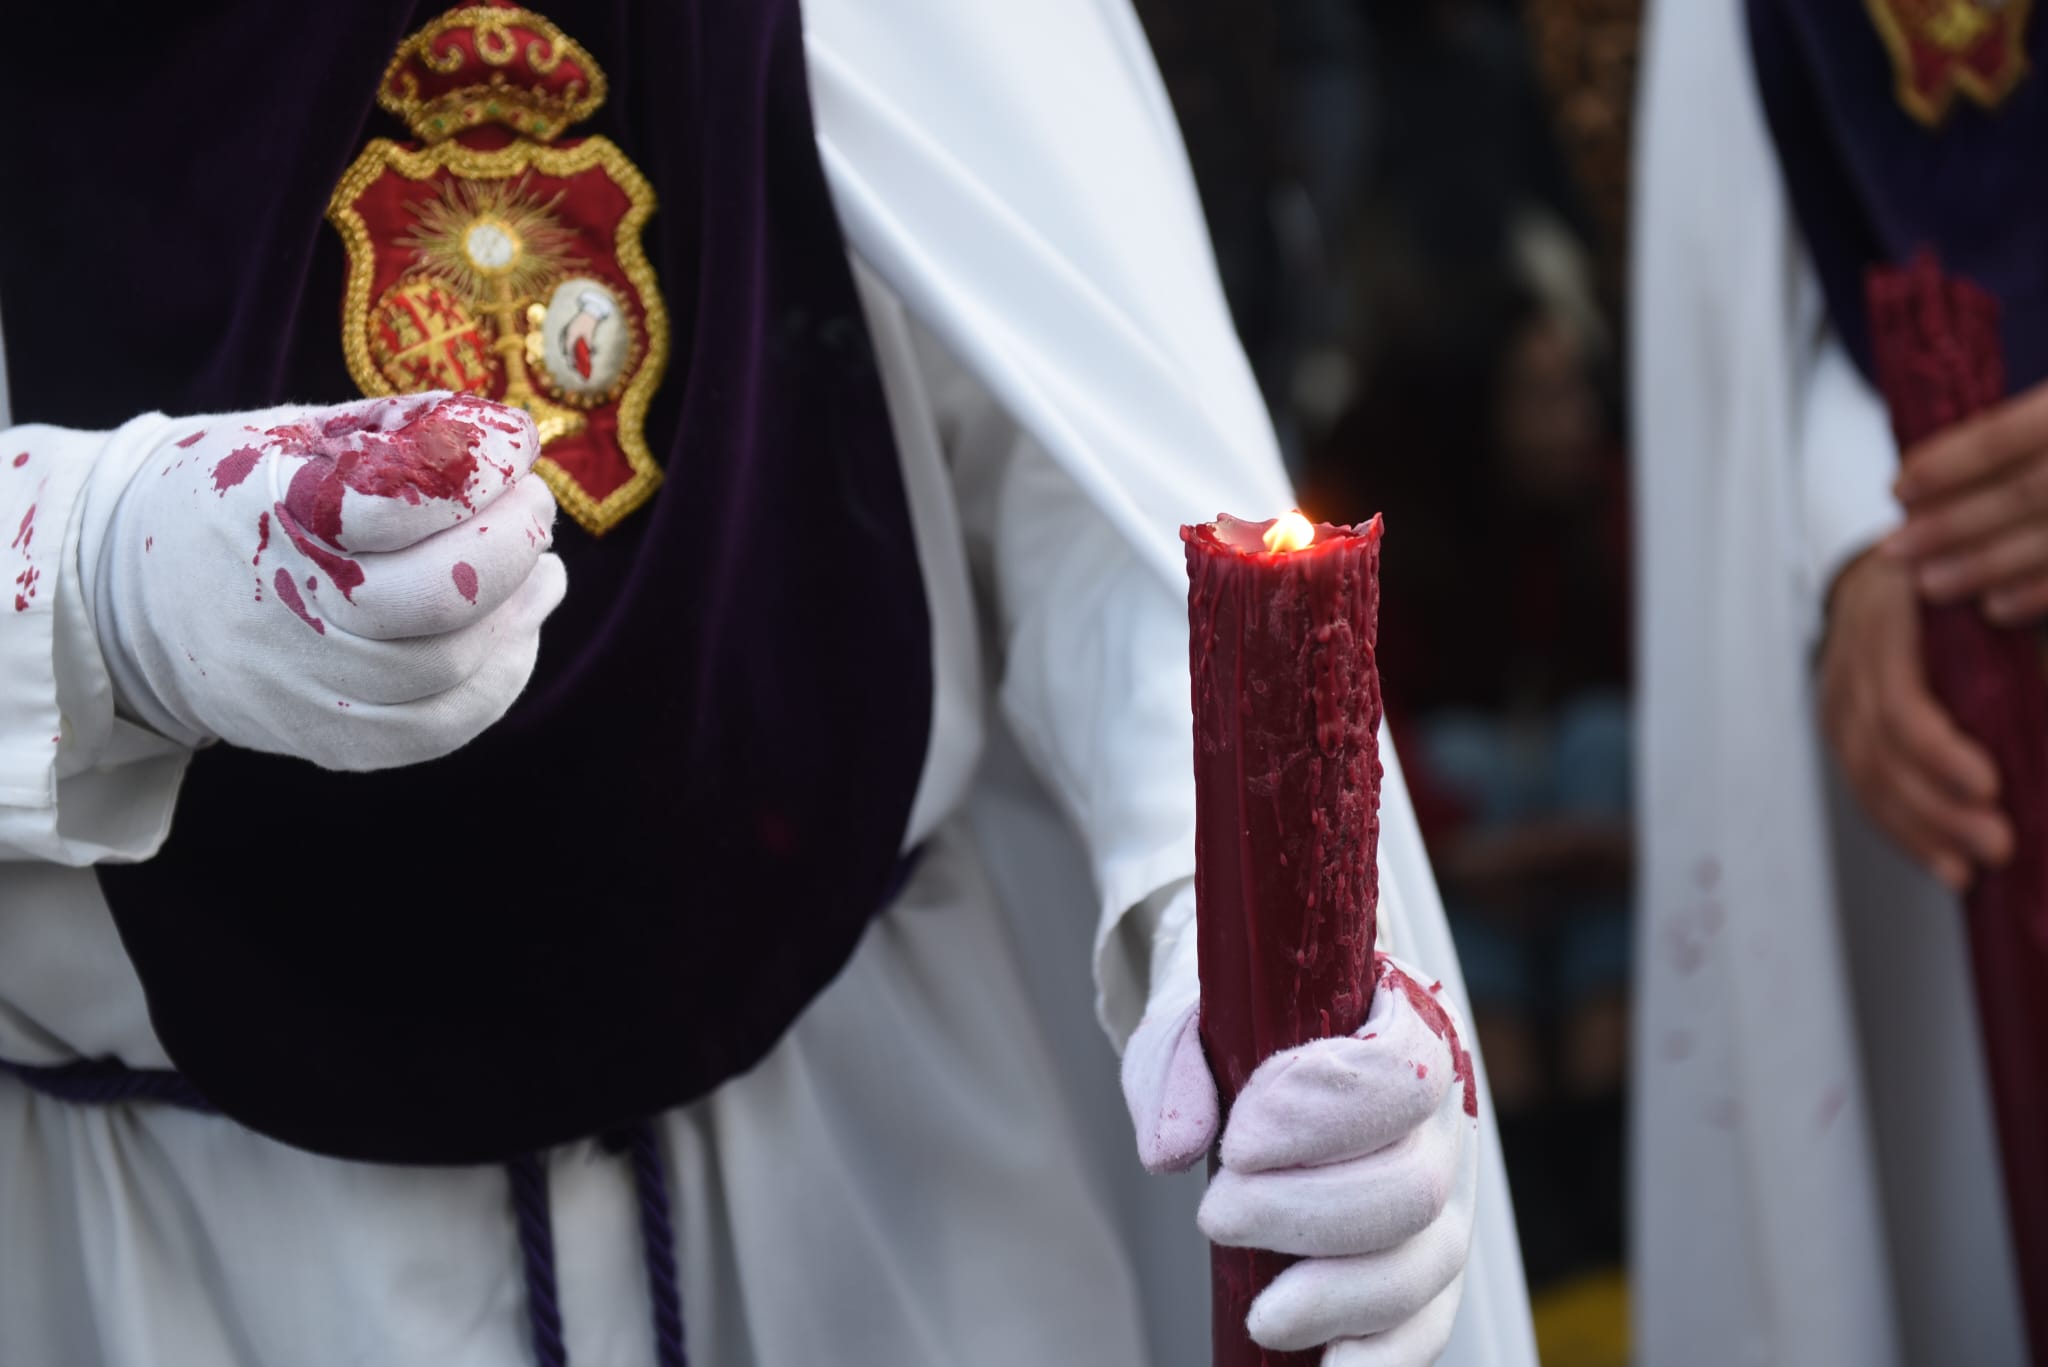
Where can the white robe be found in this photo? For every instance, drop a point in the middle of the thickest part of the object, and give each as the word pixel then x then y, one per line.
pixel 913 1176
pixel 1815 1178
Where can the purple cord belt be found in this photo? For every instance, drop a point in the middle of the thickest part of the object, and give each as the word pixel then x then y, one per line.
pixel 108 1082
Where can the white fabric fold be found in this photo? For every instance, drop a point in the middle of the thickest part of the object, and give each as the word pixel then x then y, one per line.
pixel 1847 460
pixel 78 784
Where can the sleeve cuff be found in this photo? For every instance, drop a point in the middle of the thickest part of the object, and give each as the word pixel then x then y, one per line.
pixel 77 785
pixel 1848 460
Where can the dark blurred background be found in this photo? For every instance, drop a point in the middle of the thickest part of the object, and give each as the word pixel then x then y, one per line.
pixel 1420 213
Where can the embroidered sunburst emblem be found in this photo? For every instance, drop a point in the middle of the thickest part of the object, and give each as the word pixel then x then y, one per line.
pixel 491 241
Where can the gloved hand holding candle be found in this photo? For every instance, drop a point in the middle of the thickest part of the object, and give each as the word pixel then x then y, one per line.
pixel 1347 1114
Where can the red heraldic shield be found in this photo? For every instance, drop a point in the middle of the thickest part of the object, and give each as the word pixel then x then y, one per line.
pixel 1940 47
pixel 491 258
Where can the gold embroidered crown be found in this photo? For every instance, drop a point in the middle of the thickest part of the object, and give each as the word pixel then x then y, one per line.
pixel 491 63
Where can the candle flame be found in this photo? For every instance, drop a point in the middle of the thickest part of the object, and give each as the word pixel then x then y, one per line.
pixel 1291 532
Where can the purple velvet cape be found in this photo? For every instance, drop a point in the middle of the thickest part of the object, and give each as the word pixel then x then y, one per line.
pixel 1871 185
pixel 624 893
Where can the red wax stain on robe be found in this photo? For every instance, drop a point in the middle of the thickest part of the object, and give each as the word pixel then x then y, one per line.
pixel 193 440
pixel 465 579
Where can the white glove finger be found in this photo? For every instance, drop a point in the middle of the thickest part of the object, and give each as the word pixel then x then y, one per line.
pixel 358 670
pixel 1319 1300
pixel 361 735
pixel 427 728
pixel 381 476
pixel 453 578
pixel 1361 1205
pixel 1169 1090
pixel 1415 1343
pixel 1341 1098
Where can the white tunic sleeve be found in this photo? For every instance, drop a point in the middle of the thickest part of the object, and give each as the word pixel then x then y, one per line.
pixel 1013 174
pixel 77 783
pixel 1847 460
pixel 1090 645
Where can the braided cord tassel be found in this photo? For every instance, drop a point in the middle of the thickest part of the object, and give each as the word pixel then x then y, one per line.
pixel 529 1176
pixel 658 1245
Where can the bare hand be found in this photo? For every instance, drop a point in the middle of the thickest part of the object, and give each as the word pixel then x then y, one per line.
pixel 1926 784
pixel 1976 499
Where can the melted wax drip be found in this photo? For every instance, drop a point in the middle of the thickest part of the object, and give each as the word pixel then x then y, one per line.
pixel 288 593
pixel 233 468
pixel 346 574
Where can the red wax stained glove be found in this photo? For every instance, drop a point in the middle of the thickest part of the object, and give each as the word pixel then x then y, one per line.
pixel 362 586
pixel 1357 1154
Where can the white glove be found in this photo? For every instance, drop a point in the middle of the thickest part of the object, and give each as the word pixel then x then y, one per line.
pixel 362 586
pixel 1360 1155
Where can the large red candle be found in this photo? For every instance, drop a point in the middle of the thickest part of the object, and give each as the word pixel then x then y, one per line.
pixel 1287 782
pixel 1934 339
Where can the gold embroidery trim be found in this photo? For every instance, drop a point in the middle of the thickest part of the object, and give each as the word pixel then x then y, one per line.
pixel 1988 94
pixel 493 98
pixel 596 516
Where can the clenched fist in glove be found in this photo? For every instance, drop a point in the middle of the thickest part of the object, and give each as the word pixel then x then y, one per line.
pixel 362 586
pixel 1359 1155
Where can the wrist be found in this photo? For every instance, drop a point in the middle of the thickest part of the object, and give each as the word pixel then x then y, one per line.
pixel 1863 572
pixel 109 573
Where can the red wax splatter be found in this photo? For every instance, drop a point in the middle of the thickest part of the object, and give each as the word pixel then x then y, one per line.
pixel 1439 1022
pixel 1287 709
pixel 1830 1106
pixel 433 455
pixel 27 531
pixel 262 537
pixel 288 594
pixel 465 579
pixel 1939 359
pixel 312 583
pixel 1688 948
pixel 21 460
pixel 234 467
pixel 148 544
pixel 343 573
pixel 190 441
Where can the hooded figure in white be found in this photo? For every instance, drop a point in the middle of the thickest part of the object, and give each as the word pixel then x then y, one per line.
pixel 1816 1179
pixel 913 1175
